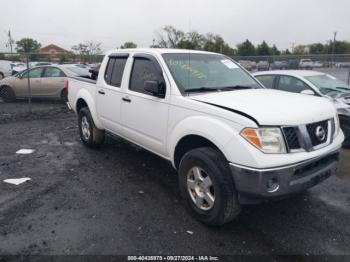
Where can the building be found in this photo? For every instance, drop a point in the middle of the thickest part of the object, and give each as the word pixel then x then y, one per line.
pixel 56 53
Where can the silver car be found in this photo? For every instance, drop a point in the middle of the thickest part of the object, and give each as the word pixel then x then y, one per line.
pixel 309 82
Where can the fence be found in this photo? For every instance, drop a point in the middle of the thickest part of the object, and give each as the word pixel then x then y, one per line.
pixel 336 65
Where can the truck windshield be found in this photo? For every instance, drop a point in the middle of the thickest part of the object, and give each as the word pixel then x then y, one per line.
pixel 207 72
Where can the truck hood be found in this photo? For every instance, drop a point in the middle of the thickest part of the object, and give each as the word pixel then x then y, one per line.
pixel 271 107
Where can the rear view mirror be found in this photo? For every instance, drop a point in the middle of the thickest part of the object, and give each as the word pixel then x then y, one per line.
pixel 307 92
pixel 155 88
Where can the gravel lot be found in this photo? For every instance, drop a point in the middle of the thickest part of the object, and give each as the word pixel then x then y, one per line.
pixel 121 199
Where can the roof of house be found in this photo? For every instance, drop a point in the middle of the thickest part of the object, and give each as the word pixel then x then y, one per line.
pixel 49 48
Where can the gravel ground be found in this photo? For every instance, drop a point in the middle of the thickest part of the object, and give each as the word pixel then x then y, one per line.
pixel 120 199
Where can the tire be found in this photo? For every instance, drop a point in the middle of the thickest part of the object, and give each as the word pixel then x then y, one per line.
pixel 345 126
pixel 2 76
pixel 209 162
pixel 90 135
pixel 64 96
pixel 7 94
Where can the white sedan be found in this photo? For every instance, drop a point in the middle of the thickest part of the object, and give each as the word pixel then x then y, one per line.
pixel 309 82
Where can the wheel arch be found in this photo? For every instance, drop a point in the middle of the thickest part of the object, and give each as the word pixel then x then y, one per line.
pixel 85 100
pixel 207 132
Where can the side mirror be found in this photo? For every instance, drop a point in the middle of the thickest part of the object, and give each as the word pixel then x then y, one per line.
pixel 155 88
pixel 308 92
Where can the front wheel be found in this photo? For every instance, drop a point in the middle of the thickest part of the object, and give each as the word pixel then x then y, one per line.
pixel 90 135
pixel 345 126
pixel 207 186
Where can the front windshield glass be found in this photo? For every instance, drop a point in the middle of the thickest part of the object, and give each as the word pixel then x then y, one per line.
pixel 329 85
pixel 207 72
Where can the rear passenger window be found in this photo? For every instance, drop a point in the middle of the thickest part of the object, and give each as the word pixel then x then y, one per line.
pixel 114 71
pixel 143 70
pixel 267 81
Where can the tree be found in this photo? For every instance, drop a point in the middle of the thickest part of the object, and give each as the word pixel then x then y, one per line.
pixel 27 45
pixel 170 37
pixel 317 48
pixel 263 49
pixel 88 51
pixel 215 43
pixel 246 49
pixel 192 40
pixel 275 51
pixel 128 45
pixel 300 50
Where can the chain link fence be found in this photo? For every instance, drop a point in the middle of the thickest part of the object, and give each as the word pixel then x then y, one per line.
pixel 12 64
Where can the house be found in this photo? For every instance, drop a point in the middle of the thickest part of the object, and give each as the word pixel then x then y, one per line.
pixel 56 53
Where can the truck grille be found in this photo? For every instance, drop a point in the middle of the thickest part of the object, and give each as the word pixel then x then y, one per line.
pixel 290 133
pixel 310 136
pixel 318 132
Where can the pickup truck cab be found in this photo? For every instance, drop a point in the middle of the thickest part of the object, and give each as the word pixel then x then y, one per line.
pixel 231 140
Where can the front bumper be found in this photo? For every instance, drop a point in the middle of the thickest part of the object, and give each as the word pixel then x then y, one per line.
pixel 277 182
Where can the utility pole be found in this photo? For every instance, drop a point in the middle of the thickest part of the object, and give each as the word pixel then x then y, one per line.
pixel 10 41
pixel 333 50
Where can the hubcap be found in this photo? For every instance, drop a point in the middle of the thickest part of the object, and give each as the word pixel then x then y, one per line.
pixel 85 127
pixel 200 188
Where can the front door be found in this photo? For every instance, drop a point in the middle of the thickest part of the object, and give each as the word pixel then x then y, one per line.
pixel 21 85
pixel 145 116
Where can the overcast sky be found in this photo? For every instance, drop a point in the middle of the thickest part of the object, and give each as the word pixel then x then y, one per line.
pixel 112 22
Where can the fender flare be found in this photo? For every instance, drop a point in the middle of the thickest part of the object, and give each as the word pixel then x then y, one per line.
pixel 86 96
pixel 217 132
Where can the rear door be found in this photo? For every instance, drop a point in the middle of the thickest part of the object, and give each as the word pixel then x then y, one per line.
pixel 53 82
pixel 267 80
pixel 109 93
pixel 21 84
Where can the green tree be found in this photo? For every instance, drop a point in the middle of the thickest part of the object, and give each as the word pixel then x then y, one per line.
pixel 215 43
pixel 263 49
pixel 27 45
pixel 275 51
pixel 128 45
pixel 317 48
pixel 300 50
pixel 246 49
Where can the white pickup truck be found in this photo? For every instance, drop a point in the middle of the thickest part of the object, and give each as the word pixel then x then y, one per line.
pixel 232 141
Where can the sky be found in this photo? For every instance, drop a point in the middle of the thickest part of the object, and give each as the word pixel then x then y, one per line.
pixel 113 22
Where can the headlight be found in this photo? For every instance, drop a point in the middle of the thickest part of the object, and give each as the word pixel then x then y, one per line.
pixel 269 140
pixel 337 125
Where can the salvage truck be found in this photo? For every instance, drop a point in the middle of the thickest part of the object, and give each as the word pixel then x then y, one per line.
pixel 232 141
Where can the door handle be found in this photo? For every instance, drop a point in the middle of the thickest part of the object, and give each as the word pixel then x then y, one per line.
pixel 101 92
pixel 126 99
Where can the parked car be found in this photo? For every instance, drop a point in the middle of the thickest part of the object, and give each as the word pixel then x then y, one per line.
pixel 231 140
pixel 94 71
pixel 278 65
pixel 5 69
pixel 306 64
pixel 292 64
pixel 263 65
pixel 317 64
pixel 317 84
pixel 45 82
pixel 18 67
pixel 246 64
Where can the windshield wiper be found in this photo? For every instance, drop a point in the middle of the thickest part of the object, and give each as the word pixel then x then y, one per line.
pixel 201 89
pixel 236 87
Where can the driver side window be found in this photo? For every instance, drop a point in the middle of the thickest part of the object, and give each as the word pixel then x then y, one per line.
pixel 292 84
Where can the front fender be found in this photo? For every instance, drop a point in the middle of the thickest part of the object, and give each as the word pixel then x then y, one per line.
pixel 87 97
pixel 218 132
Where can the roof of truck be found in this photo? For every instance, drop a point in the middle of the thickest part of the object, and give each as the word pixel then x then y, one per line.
pixel 159 51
